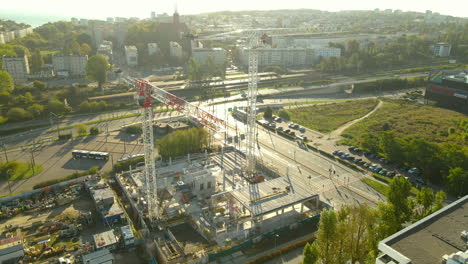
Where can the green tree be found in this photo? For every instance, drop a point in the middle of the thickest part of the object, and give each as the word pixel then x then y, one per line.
pixel 96 69
pixel 400 189
pixel 36 61
pixel 36 110
pixel 94 131
pixel 18 114
pixel 268 113
pixel 85 49
pixel 57 107
pixel 4 97
pixel 84 107
pixel 81 129
pixel 310 253
pixel 39 85
pixel 284 114
pixel 439 199
pixel 194 71
pixel 6 82
pixel 326 235
pixel 458 181
pixel 425 198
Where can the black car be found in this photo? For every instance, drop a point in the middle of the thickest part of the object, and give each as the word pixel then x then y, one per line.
pixel 357 160
pixel 350 158
pixel 352 149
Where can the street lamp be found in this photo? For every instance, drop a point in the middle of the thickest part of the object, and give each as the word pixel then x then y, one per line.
pixel 276 236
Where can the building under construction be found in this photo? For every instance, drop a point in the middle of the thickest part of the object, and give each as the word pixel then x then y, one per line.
pixel 205 207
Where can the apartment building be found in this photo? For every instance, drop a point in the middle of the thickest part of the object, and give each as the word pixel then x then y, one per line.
pixel 441 49
pixel 131 56
pixel 70 65
pixel 153 48
pixel 218 55
pixel 175 50
pixel 17 67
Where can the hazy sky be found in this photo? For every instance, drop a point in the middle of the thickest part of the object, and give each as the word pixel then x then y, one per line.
pixel 142 8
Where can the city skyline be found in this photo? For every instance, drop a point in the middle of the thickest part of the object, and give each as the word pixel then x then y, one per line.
pixel 142 8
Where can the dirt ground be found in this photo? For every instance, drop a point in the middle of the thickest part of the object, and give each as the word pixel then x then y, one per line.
pixel 84 203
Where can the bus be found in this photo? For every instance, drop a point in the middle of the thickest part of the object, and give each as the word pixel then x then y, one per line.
pixel 85 154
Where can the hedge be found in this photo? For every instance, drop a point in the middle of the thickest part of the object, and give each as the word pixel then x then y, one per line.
pixel 93 170
pixel 65 136
pixel 125 165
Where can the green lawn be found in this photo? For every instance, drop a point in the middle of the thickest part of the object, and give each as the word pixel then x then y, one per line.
pixel 378 186
pixel 314 102
pixel 22 170
pixel 328 117
pixel 411 120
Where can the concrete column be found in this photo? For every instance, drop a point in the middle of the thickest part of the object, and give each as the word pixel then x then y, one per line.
pixel 302 207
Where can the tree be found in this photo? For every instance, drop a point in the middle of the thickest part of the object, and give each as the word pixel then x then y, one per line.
pixel 458 181
pixel 194 71
pixel 425 198
pixel 439 199
pixel 284 114
pixel 94 131
pixel 18 114
pixel 40 85
pixel 326 236
pixel 85 107
pixel 36 110
pixel 57 107
pixel 397 195
pixel 81 129
pixel 310 253
pixel 36 61
pixel 4 97
pixel 85 49
pixel 268 112
pixel 96 69
pixel 6 82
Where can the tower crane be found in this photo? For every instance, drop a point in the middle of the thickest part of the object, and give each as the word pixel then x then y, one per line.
pixel 146 93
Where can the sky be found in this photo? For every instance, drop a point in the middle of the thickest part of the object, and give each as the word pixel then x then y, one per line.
pixel 141 8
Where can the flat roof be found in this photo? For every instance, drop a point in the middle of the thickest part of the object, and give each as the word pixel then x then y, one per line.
pixel 126 232
pixel 100 256
pixel 104 239
pixel 273 195
pixel 427 240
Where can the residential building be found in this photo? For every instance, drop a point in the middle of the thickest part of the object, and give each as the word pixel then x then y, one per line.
pixel 289 57
pixel 218 55
pixel 103 256
pixel 175 50
pixel 110 20
pixel 74 65
pixel 105 240
pixel 16 66
pixel 106 49
pixel 11 250
pixel 441 49
pixel 153 48
pixel 448 89
pixel 432 239
pixel 131 56
pixel 108 209
pixel 327 52
pixel 2 38
pixel 23 32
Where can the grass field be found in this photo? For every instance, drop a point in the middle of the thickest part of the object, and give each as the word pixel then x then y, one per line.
pixel 22 170
pixel 314 102
pixel 328 117
pixel 433 124
pixel 378 186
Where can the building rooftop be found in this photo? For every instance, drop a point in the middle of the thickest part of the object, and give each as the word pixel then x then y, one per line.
pixel 10 242
pixel 427 240
pixel 126 232
pixel 102 194
pixel 104 239
pixel 273 195
pixel 103 256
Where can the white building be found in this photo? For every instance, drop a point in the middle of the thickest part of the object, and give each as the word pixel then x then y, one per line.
pixel 280 56
pixel 441 49
pixel 2 38
pixel 106 49
pixel 175 50
pixel 23 32
pixel 17 67
pixel 74 65
pixel 327 52
pixel 153 48
pixel 218 55
pixel 131 55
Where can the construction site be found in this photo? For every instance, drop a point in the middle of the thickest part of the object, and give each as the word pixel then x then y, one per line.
pixel 202 207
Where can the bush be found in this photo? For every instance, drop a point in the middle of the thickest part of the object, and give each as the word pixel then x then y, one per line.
pixel 39 85
pixel 284 114
pixel 82 130
pixel 268 113
pixel 134 129
pixel 93 170
pixel 18 114
pixel 94 131
pixel 65 136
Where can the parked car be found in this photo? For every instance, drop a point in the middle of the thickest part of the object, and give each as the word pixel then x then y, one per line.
pixel 296 126
pixel 291 125
pixel 420 181
pixel 302 129
pixel 336 152
pixel 303 137
pixel 383 172
pixel 292 133
pixel 350 158
pixel 377 169
pixel 287 131
pixel 414 171
pixel 391 174
pixel 278 119
pixel 352 149
pixel 344 156
pixel 279 128
pixel 362 163
pixel 357 160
